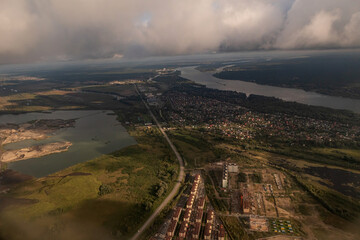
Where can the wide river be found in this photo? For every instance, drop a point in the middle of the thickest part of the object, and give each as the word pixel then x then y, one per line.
pixel 287 94
pixel 95 133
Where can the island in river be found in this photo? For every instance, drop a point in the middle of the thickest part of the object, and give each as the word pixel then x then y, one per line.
pixel 33 130
pixel 34 151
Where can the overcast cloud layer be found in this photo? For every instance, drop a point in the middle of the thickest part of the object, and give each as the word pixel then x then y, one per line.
pixel 32 30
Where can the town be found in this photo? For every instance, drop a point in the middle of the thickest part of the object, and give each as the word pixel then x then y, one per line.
pixel 254 167
pixel 232 199
pixel 235 121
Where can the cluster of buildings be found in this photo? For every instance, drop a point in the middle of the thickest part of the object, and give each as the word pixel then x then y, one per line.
pixel 209 224
pixel 165 71
pixel 151 94
pixel 153 98
pixel 194 221
pixel 187 109
pixel 198 219
pixel 188 212
pixel 235 121
pixel 228 168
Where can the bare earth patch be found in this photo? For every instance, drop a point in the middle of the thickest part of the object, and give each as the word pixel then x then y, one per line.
pixel 34 152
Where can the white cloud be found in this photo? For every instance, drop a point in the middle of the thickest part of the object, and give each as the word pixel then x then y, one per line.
pixel 352 32
pixel 250 24
pixel 15 28
pixel 62 29
pixel 320 24
pixel 318 32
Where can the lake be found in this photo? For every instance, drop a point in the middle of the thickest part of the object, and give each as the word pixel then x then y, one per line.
pixel 95 133
pixel 287 94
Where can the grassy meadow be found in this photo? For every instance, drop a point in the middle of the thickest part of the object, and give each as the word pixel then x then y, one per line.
pixel 116 192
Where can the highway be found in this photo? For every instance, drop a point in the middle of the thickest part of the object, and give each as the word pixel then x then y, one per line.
pixel 176 188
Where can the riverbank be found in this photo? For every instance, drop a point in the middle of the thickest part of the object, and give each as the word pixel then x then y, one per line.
pixel 348 91
pixel 32 130
pixel 92 134
pixel 34 151
pixel 35 130
pixel 286 94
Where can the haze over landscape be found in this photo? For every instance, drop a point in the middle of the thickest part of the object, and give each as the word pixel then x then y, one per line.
pixel 172 120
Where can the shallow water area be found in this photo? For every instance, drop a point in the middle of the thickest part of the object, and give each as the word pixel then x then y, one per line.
pixel 95 133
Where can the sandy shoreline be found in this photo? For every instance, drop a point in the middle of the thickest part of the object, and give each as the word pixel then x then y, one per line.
pixel 34 151
pixel 12 136
pixel 35 130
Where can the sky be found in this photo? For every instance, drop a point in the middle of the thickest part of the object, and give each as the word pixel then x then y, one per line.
pixel 56 30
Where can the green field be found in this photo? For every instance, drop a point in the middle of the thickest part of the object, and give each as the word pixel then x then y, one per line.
pixel 131 176
pixel 235 229
pixel 341 157
pixel 195 150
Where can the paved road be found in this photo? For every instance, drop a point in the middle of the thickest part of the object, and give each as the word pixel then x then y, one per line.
pixel 179 180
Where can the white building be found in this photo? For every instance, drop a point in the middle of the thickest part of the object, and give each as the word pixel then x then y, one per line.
pixel 233 168
pixel 225 178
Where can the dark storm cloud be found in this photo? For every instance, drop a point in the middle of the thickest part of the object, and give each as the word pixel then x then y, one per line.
pixel 61 29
